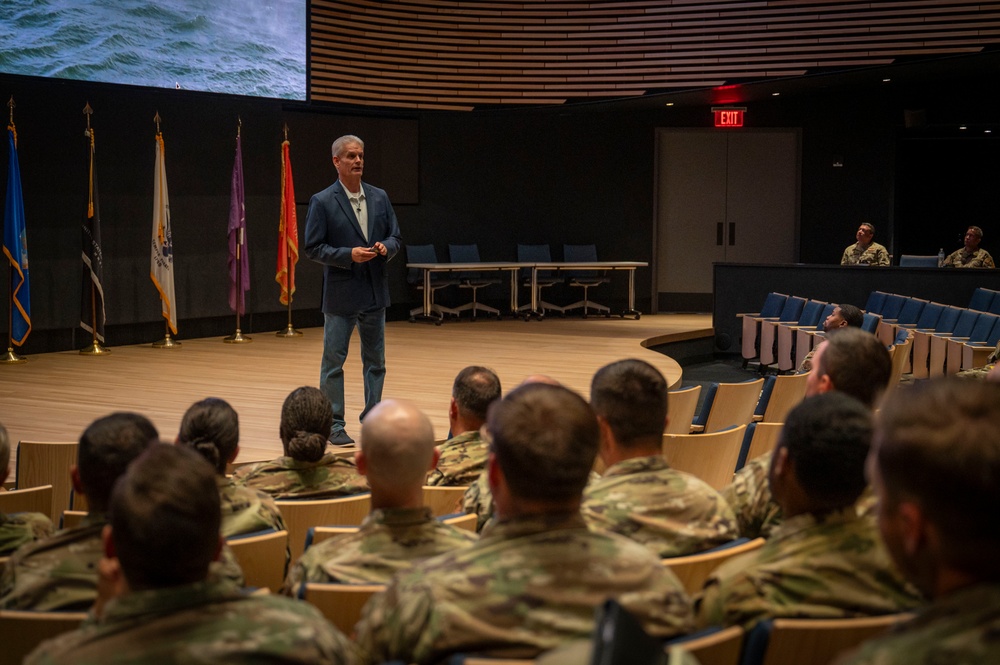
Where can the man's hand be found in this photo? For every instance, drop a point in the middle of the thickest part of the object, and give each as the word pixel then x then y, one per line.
pixel 362 254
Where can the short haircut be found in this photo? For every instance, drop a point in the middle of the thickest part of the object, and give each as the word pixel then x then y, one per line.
pixel 938 443
pixel 212 428
pixel 857 363
pixel 165 517
pixel 338 145
pixel 107 447
pixel 545 440
pixel 975 229
pixel 4 449
pixel 871 227
pixel 827 438
pixel 631 395
pixel 397 440
pixel 475 388
pixel 853 315
pixel 306 420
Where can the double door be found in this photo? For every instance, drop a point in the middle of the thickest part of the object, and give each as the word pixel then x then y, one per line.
pixel 722 196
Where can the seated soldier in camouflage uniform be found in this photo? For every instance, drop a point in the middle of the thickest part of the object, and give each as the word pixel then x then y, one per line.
pixel 971 255
pixel 18 528
pixel 59 573
pixel 533 579
pixel 935 467
pixel 212 428
pixel 865 252
pixel 851 361
pixel 157 602
pixel 843 315
pixel 397 448
pixel 463 456
pixel 306 470
pixel 670 512
pixel 824 561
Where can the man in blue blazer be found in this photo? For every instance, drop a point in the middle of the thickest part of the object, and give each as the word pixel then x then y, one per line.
pixel 351 229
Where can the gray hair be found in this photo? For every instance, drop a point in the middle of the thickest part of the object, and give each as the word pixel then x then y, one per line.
pixel 975 229
pixel 338 145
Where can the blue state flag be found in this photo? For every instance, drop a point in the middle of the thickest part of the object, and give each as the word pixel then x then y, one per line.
pixel 15 248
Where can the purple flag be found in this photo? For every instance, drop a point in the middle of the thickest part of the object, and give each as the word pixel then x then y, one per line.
pixel 239 260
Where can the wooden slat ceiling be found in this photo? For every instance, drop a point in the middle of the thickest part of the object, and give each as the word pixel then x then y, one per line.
pixel 467 54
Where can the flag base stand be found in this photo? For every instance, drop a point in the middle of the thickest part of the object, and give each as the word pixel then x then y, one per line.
pixel 11 358
pixel 167 342
pixel 237 338
pixel 290 331
pixel 95 349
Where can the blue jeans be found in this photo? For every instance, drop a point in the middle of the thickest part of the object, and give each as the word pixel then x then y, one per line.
pixel 337 331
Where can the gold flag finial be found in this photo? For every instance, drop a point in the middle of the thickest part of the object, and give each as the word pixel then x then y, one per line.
pixel 87 111
pixel 156 119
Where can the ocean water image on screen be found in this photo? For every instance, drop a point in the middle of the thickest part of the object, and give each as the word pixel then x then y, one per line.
pixel 241 47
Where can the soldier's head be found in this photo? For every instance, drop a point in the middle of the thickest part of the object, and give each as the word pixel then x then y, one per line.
pixel 973 236
pixel 843 315
pixel 106 448
pixel 306 419
pixel 629 398
pixel 866 232
pixel 851 361
pixel 164 519
pixel 396 452
pixel 935 468
pixel 543 442
pixel 819 462
pixel 212 428
pixel 4 453
pixel 475 388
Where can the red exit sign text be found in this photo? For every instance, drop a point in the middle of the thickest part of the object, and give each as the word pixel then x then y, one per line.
pixel 728 117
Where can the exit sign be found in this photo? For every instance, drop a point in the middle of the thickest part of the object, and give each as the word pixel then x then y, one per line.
pixel 728 117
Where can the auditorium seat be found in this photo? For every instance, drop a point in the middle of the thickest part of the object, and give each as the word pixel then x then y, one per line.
pixel 773 304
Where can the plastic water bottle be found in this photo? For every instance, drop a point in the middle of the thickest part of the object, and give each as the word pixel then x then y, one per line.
pixel 941 258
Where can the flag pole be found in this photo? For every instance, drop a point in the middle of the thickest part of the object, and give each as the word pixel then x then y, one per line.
pixel 289 330
pixel 238 337
pixel 11 358
pixel 95 348
pixel 167 342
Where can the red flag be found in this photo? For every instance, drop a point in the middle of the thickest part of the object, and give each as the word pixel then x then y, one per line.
pixel 288 231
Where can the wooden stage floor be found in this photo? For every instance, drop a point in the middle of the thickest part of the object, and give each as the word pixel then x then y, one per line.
pixel 55 396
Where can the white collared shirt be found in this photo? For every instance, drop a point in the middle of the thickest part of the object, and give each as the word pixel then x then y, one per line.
pixel 360 206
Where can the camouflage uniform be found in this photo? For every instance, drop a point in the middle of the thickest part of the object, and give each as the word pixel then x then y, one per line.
pixel 824 568
pixel 462 461
pixel 749 495
pixel 245 510
pixel 478 499
pixel 670 512
pixel 390 540
pixel 527 586
pixel 60 573
pixel 962 627
pixel 963 259
pixel 199 623
pixel 874 255
pixel 288 478
pixel 17 529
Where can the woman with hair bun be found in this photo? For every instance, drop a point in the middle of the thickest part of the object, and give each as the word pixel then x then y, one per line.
pixel 212 428
pixel 306 470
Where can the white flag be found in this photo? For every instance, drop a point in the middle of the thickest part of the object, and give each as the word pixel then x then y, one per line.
pixel 161 265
